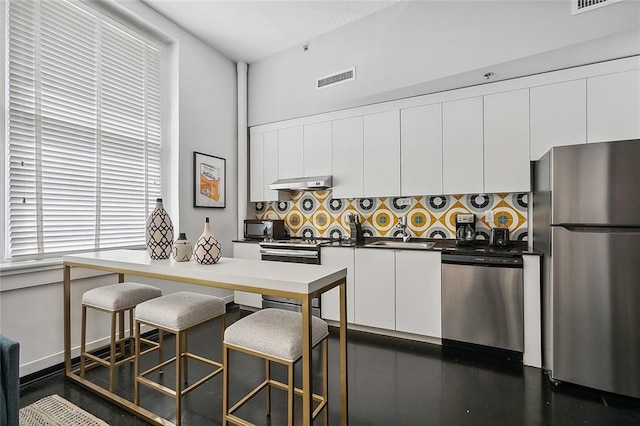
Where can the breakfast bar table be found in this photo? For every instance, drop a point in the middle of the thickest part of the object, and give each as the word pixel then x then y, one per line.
pixel 293 280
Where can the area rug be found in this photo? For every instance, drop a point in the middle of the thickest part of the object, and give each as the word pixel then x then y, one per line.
pixel 54 410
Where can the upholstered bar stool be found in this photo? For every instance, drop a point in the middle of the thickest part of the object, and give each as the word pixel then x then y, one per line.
pixel 177 313
pixel 273 335
pixel 117 300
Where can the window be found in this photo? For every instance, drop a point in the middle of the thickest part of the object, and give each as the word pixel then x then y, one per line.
pixel 83 130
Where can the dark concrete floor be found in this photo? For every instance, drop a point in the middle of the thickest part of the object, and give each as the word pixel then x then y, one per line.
pixel 391 382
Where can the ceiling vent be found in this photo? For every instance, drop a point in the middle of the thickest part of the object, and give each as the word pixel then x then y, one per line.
pixel 336 78
pixel 579 6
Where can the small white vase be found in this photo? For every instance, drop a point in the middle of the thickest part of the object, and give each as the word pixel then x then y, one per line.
pixel 207 249
pixel 182 249
pixel 159 233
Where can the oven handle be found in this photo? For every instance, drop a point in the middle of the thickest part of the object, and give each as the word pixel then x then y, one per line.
pixel 289 253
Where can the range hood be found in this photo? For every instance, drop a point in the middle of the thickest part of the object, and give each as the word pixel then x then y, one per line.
pixel 311 183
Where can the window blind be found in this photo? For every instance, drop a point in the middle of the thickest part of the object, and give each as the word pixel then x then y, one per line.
pixel 83 130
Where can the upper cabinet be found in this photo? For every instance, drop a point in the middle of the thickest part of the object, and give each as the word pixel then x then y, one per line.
pixel 421 150
pixel 317 149
pixel 506 142
pixel 613 107
pixel 558 116
pixel 381 154
pixel 290 153
pixel 256 167
pixel 462 140
pixel 479 139
pixel 270 165
pixel 348 165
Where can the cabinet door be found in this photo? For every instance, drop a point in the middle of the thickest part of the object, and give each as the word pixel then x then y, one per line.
pixel 247 251
pixel 342 257
pixel 532 355
pixel 256 165
pixel 421 150
pixel 506 142
pixel 317 149
pixel 613 107
pixel 290 152
pixel 558 116
pixel 270 157
pixel 418 296
pixel 381 154
pixel 462 135
pixel 375 288
pixel 347 158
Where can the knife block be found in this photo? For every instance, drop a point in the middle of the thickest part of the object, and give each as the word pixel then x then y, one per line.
pixel 356 232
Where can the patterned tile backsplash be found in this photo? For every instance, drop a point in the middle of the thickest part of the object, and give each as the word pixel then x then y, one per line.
pixel 316 214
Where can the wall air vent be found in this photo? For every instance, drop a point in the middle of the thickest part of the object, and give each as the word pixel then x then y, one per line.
pixel 336 78
pixel 579 6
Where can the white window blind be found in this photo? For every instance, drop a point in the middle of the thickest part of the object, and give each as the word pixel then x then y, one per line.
pixel 83 130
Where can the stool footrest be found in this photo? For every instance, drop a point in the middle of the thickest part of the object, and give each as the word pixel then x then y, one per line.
pixel 171 392
pixel 277 384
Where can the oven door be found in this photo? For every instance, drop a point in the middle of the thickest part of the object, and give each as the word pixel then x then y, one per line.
pixel 309 256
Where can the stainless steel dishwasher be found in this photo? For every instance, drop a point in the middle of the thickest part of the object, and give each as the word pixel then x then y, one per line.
pixel 482 300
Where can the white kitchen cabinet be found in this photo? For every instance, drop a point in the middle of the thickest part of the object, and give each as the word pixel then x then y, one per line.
pixel 613 107
pixel 558 116
pixel 421 150
pixel 270 164
pixel 317 149
pixel 256 167
pixel 532 355
pixel 342 257
pixel 375 288
pixel 347 157
pixel 506 142
pixel 418 292
pixel 249 251
pixel 381 154
pixel 290 152
pixel 462 146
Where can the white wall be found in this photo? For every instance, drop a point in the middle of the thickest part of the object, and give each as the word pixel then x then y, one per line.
pixel 421 47
pixel 204 109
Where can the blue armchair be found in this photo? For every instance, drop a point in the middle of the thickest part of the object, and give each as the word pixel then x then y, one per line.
pixel 9 381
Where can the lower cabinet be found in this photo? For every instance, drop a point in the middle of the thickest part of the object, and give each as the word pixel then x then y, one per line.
pixel 398 290
pixel 375 288
pixel 247 251
pixel 342 257
pixel 418 295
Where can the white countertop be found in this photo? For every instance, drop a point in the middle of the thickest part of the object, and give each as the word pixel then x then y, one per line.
pixel 236 274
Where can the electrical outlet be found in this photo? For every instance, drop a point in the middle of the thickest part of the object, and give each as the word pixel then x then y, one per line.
pixel 488 217
pixel 403 201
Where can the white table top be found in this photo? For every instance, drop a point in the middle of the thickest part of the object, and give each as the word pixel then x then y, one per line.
pixel 237 274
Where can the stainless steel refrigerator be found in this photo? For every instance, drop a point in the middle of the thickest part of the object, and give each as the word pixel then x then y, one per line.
pixel 586 221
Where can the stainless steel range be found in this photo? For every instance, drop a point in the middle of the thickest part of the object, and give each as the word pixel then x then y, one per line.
pixel 294 251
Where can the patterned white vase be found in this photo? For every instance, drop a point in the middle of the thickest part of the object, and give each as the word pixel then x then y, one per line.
pixel 207 249
pixel 182 249
pixel 159 233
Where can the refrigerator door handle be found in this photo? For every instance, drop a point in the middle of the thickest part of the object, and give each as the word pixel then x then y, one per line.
pixel 600 229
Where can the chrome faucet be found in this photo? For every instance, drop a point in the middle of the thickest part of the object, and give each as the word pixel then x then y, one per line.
pixel 402 225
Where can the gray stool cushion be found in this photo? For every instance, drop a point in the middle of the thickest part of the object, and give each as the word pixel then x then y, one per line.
pixel 274 332
pixel 120 296
pixel 180 310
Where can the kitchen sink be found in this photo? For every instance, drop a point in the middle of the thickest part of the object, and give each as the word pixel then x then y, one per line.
pixel 402 244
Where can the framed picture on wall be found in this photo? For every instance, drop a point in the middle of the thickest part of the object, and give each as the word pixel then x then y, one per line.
pixel 210 181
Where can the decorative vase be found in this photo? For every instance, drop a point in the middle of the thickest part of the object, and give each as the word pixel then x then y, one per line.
pixel 182 249
pixel 207 249
pixel 159 233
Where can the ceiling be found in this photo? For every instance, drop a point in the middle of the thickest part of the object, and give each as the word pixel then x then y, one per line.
pixel 250 30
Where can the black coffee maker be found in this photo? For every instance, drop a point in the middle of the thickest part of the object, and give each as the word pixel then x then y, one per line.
pixel 465 229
